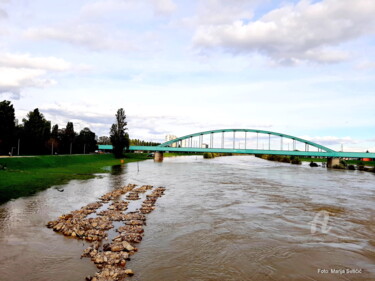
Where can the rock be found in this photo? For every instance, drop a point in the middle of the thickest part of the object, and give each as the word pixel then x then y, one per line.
pixel 116 193
pixel 130 237
pixel 117 248
pixel 127 246
pixel 112 259
pixel 106 247
pixel 129 272
pixel 131 229
pixel 135 222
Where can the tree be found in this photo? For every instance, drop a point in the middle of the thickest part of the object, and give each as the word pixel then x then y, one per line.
pixel 54 141
pixel 86 141
pixel 104 140
pixel 55 131
pixel 36 132
pixel 119 138
pixel 67 138
pixel 7 126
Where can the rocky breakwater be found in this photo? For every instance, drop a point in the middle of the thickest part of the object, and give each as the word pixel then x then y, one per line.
pixel 117 192
pixel 75 224
pixel 110 258
pixel 149 204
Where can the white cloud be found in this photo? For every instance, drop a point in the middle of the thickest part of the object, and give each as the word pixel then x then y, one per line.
pixel 27 61
pixel 86 35
pixel 98 8
pixel 3 14
pixel 293 33
pixel 14 80
pixel 164 7
pixel 107 25
pixel 217 12
pixel 19 71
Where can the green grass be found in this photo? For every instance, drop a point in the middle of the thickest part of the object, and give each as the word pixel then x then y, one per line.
pixel 308 159
pixel 26 175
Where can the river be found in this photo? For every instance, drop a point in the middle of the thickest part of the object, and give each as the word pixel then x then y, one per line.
pixel 228 218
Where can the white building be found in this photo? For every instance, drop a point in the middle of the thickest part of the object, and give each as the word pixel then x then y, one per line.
pixel 171 137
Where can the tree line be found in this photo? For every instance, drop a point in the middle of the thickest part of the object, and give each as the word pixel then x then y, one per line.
pixel 35 136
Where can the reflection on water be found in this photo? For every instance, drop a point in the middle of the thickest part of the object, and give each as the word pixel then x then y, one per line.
pixel 229 218
pixel 117 169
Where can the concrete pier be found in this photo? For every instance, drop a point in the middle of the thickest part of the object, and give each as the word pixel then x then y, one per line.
pixel 331 161
pixel 158 156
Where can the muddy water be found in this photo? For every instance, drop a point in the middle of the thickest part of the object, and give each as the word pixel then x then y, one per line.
pixel 229 218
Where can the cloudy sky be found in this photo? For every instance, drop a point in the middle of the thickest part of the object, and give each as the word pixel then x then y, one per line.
pixel 304 68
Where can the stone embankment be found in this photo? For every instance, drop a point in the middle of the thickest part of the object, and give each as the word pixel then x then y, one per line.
pixel 110 258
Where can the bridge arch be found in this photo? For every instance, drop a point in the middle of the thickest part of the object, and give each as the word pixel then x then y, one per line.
pixel 321 147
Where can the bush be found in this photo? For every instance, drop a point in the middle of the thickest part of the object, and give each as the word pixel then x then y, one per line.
pixel 343 163
pixel 340 167
pixel 208 155
pixel 296 161
pixel 351 167
pixel 361 167
pixel 313 164
pixel 272 157
pixel 285 159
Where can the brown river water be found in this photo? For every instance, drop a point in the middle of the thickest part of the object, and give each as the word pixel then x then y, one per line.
pixel 228 218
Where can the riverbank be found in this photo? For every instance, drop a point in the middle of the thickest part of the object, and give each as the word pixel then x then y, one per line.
pixel 349 162
pixel 366 166
pixel 25 176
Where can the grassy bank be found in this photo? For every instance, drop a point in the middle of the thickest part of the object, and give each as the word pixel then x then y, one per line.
pixel 280 158
pixel 24 176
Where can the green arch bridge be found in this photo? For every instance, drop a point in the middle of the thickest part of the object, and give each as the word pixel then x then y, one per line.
pixel 189 143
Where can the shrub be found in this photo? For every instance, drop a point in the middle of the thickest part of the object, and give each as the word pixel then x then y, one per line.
pixel 343 163
pixel 285 159
pixel 313 164
pixel 340 167
pixel 296 161
pixel 361 167
pixel 208 155
pixel 351 167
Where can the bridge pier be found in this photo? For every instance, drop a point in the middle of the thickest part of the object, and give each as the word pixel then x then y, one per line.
pixel 158 156
pixel 332 161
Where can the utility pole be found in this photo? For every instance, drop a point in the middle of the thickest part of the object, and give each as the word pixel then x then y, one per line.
pixel 18 149
pixel 70 147
pixel 84 148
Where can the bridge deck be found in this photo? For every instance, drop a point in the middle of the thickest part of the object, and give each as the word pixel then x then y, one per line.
pixel 247 151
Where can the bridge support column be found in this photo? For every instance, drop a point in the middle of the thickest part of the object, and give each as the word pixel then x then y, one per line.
pixel 158 156
pixel 331 161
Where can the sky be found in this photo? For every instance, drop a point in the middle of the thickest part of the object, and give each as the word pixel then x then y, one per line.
pixel 304 68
